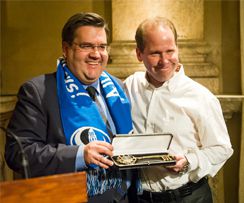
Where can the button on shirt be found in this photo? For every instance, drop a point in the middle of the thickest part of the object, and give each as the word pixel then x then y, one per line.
pixel 192 114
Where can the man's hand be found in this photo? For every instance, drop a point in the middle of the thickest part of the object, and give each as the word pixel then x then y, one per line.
pixel 180 166
pixel 95 153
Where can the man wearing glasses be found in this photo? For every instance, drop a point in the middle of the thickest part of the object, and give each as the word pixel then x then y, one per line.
pixel 66 120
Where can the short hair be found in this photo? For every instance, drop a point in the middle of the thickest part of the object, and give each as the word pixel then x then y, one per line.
pixel 82 19
pixel 140 32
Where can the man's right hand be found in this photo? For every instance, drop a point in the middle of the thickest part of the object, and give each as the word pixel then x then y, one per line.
pixel 95 153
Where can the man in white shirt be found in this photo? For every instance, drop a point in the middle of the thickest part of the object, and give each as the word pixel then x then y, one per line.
pixel 165 100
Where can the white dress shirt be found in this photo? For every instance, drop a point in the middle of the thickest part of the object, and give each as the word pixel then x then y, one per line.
pixel 192 114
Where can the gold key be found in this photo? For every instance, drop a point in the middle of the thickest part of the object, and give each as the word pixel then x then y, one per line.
pixel 130 159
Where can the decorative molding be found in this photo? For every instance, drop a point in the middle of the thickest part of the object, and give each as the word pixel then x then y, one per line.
pixel 230 104
pixel 7 104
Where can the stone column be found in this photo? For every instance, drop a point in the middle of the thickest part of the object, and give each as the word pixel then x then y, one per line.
pixel 188 17
pixel 230 104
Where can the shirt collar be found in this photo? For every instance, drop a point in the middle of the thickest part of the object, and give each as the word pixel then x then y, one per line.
pixel 96 84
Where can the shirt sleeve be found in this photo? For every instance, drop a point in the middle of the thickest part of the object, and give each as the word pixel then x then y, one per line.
pixel 80 161
pixel 215 146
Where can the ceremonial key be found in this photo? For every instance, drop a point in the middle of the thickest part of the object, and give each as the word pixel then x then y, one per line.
pixel 130 159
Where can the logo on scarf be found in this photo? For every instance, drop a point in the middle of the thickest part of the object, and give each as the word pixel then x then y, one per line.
pixel 88 134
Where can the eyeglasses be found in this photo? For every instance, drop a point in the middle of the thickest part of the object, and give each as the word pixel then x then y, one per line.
pixel 86 47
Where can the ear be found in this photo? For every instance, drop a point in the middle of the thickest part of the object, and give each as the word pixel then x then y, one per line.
pixel 65 47
pixel 138 54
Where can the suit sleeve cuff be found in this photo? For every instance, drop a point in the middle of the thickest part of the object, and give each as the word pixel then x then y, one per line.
pixel 80 161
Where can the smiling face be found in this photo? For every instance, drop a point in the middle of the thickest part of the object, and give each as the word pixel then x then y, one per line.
pixel 87 65
pixel 160 54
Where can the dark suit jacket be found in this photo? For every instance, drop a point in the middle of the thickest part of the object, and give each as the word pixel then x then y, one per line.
pixel 36 121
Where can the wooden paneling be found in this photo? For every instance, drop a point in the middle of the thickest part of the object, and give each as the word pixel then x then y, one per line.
pixel 57 188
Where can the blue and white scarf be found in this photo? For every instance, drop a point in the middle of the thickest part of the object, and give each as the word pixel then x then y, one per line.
pixel 80 117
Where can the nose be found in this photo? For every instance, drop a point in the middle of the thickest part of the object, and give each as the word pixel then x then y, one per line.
pixel 95 49
pixel 163 58
pixel 94 53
